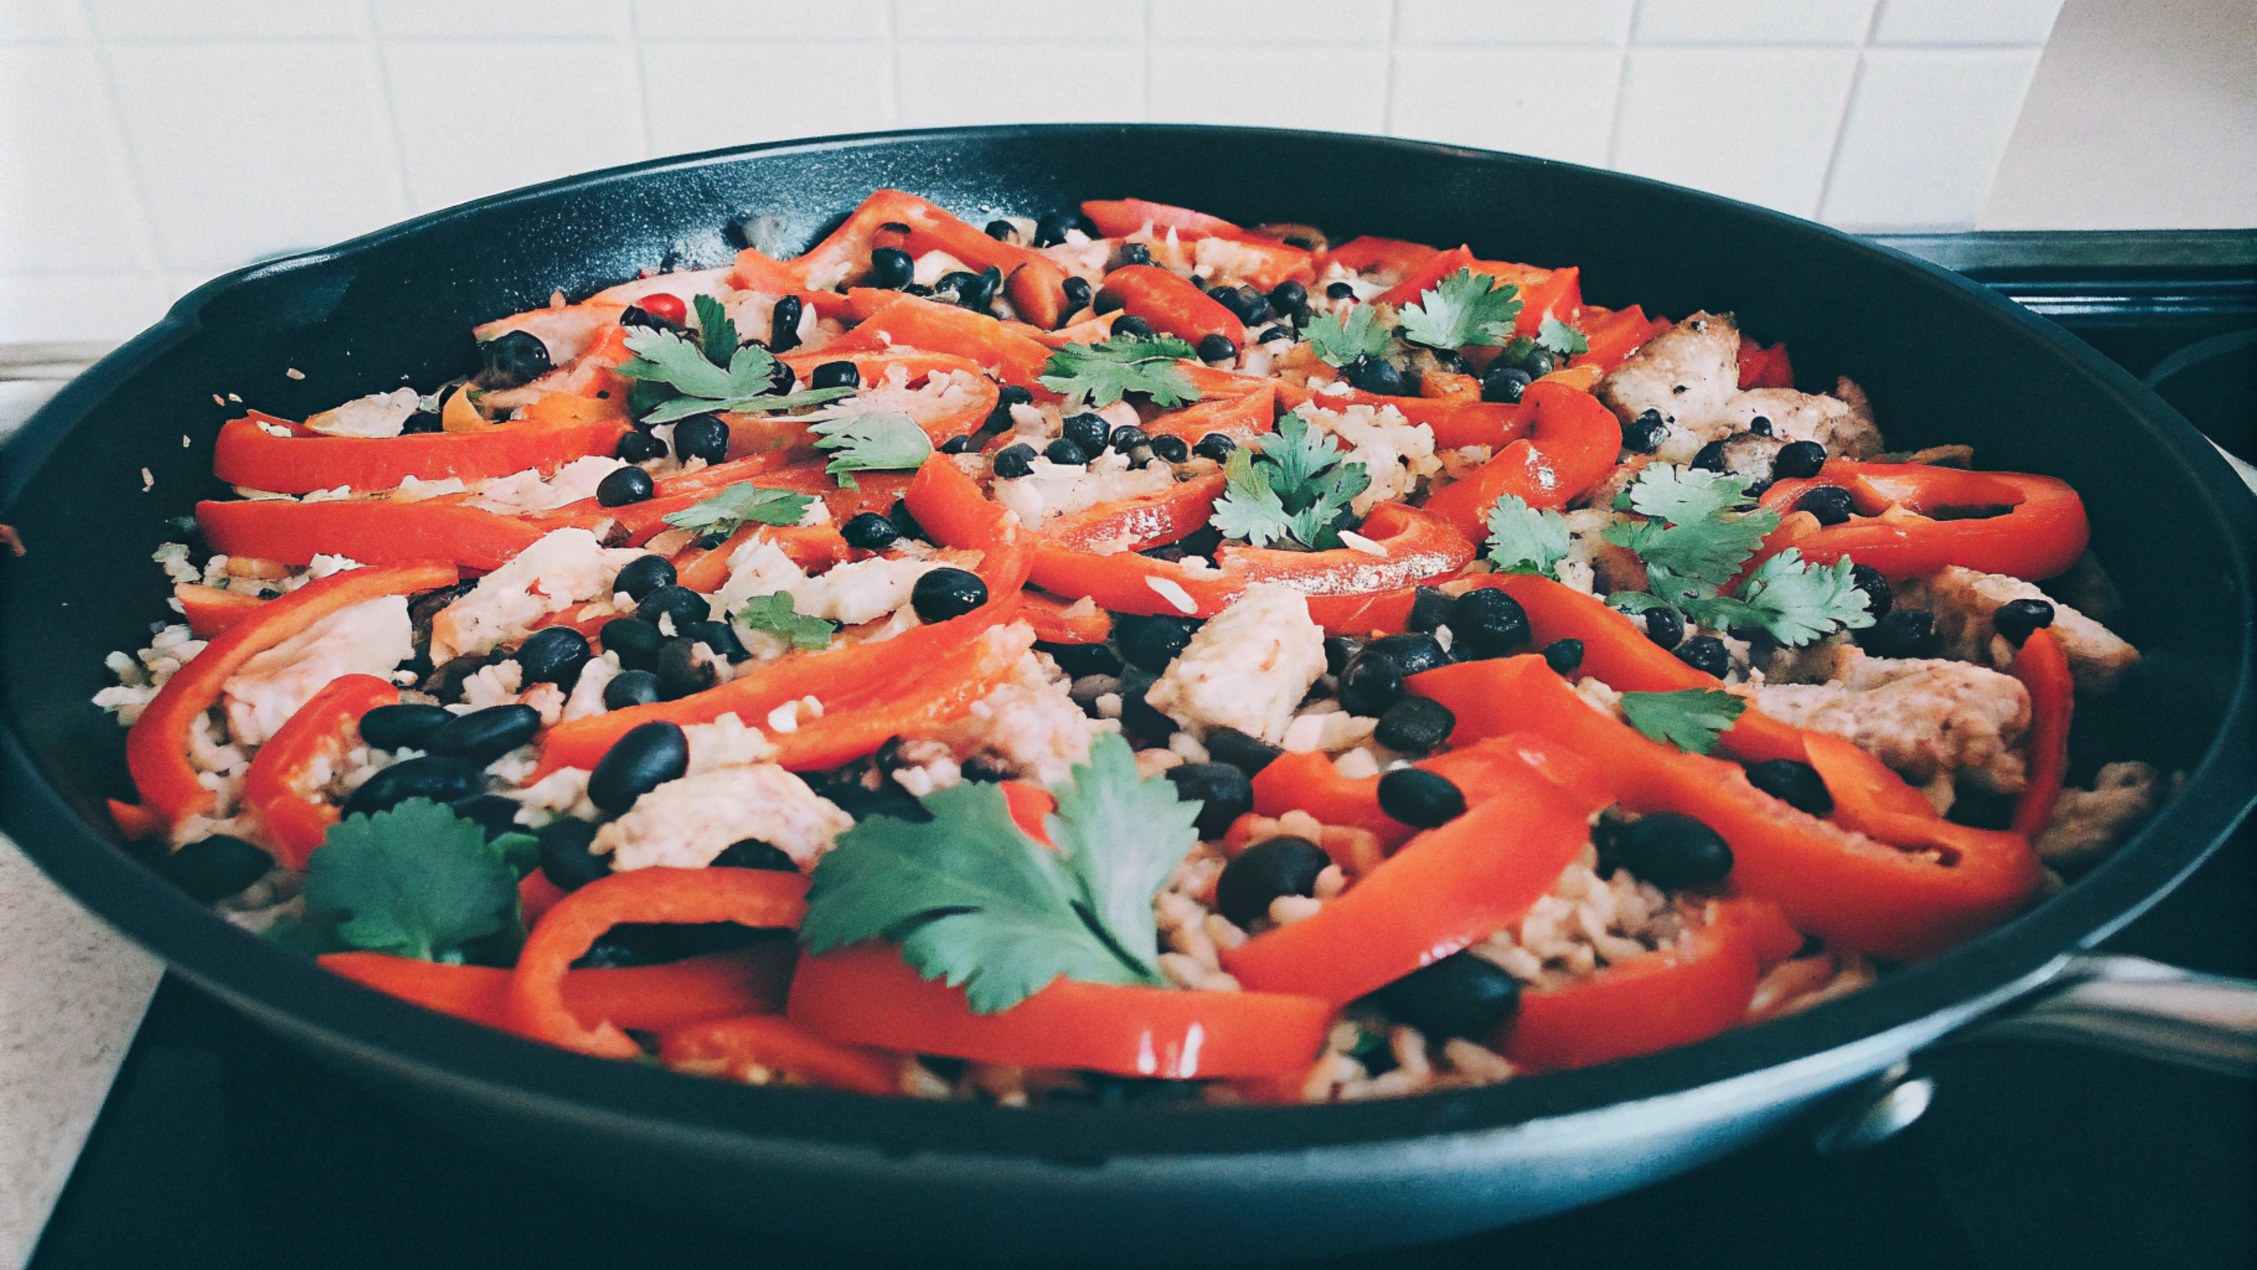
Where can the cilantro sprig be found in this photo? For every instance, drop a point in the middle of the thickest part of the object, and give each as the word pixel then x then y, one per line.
pixel 871 443
pixel 415 880
pixel 1464 308
pixel 1691 718
pixel 977 903
pixel 1103 373
pixel 1797 602
pixel 709 374
pixel 1524 539
pixel 738 505
pixel 1560 339
pixel 1340 338
pixel 778 615
pixel 1294 493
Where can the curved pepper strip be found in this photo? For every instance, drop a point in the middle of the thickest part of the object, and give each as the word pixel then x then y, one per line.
pixel 537 1004
pixel 941 691
pixel 756 271
pixel 549 437
pixel 873 368
pixel 297 819
pixel 1871 800
pixel 1033 282
pixel 1455 423
pixel 1149 520
pixel 376 531
pixel 1092 330
pixel 156 749
pixel 647 998
pixel 1676 996
pixel 1392 258
pixel 1481 770
pixel 536 895
pixel 2041 534
pixel 811 547
pixel 867 995
pixel 1846 886
pixel 1427 276
pixel 1440 892
pixel 759 1047
pixel 1172 305
pixel 210 610
pixel 1121 217
pixel 1613 335
pixel 2043 668
pixel 890 318
pixel 1571 444
pixel 949 507
pixel 1055 622
pixel 1242 417
pixel 639 522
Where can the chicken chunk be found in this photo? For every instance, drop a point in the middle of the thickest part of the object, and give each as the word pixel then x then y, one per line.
pixel 2087 823
pixel 1686 374
pixel 686 823
pixel 1247 668
pixel 564 568
pixel 370 638
pixel 1027 726
pixel 1842 422
pixel 1925 718
pixel 1966 602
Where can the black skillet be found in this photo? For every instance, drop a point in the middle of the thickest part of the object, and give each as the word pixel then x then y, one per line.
pixel 1943 360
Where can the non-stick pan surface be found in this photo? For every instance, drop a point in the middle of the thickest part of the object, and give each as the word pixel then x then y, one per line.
pixel 1943 360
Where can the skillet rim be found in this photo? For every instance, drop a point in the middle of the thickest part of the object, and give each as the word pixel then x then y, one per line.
pixel 1909 1007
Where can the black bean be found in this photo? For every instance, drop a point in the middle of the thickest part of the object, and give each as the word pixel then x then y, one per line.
pixel 1429 609
pixel 1265 871
pixel 639 447
pixel 701 437
pixel 565 858
pixel 1131 254
pixel 1487 623
pixel 962 285
pixel 1131 326
pixel 634 641
pixel 1797 459
pixel 1564 655
pixel 1463 994
pixel 637 315
pixel 1709 458
pixel 1078 660
pixel 1645 434
pixel 1416 724
pixel 752 853
pixel 1796 784
pixel 1065 453
pixel 482 736
pixel 1128 437
pixel 868 531
pixel 1339 650
pixel 1536 362
pixel 1224 792
pixel 1870 580
pixel 836 375
pixel 438 777
pixel 1151 642
pixel 1831 504
pixel 493 814
pixel 1504 384
pixel 1014 461
pixel 643 575
pixel 1077 292
pixel 446 682
pixel 627 485
pixel 1664 626
pixel 211 869
pixel 1275 335
pixel 674 600
pixel 945 593
pixel 1292 300
pixel 891 268
pixel 1377 374
pixel 718 636
pixel 905 521
pixel 1249 754
pixel 1216 446
pixel 1242 303
pixel 2017 620
pixel 630 688
pixel 1089 432
pixel 1171 449
pixel 681 671
pixel 783 325
pixel 648 756
pixel 1762 427
pixel 1145 726
pixel 1369 685
pixel 1705 653
pixel 1669 850
pixel 1900 633
pixel 1217 347
pixel 553 655
pixel 1050 228
pixel 1002 231
pixel 513 360
pixel 1340 291
pixel 429 421
pixel 1421 799
pixel 403 726
pixel 1412 652
pixel 956 445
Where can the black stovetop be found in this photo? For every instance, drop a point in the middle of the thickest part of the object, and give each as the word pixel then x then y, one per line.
pixel 220 1146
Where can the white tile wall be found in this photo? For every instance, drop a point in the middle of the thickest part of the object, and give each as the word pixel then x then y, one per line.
pixel 147 144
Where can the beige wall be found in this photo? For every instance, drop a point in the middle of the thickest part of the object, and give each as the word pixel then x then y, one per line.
pixel 2143 115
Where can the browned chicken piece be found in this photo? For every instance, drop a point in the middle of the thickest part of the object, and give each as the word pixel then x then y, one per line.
pixel 1843 423
pixel 1686 374
pixel 1925 718
pixel 1965 602
pixel 2087 823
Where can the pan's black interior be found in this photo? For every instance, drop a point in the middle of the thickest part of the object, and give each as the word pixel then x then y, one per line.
pixel 1942 360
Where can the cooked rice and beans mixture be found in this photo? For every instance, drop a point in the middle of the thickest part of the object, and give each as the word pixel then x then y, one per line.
pixel 1117 655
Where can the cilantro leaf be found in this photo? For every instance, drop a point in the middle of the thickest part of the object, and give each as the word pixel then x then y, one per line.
pixel 1103 373
pixel 871 443
pixel 680 408
pixel 670 360
pixel 1340 338
pixel 1560 339
pixel 978 904
pixel 1690 719
pixel 1464 308
pixel 1297 490
pixel 1523 539
pixel 1795 601
pixel 1693 541
pixel 416 880
pixel 778 615
pixel 1249 509
pixel 716 329
pixel 738 505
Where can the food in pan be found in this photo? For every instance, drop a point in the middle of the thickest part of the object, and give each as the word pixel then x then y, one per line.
pixel 1119 655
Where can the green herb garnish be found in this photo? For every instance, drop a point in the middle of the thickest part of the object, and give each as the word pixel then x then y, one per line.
pixel 871 443
pixel 1340 338
pixel 1464 308
pixel 1102 374
pixel 1690 719
pixel 1294 493
pixel 704 382
pixel 739 505
pixel 778 615
pixel 416 880
pixel 1560 339
pixel 1524 539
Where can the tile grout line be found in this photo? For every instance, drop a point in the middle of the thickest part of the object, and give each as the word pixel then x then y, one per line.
pixel 1842 120
pixel 121 148
pixel 398 148
pixel 1621 86
pixel 1387 60
pixel 633 51
pixel 893 62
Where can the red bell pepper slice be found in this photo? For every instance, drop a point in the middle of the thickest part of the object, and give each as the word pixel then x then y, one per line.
pixel 756 271
pixel 1391 258
pixel 1671 997
pixel 1762 367
pixel 1481 770
pixel 550 436
pixel 757 1047
pixel 1242 417
pixel 1846 886
pixel 1427 276
pixel 1571 445
pixel 1149 520
pixel 1030 806
pixel 1032 282
pixel 2043 668
pixel 1121 217
pixel 647 998
pixel 211 610
pixel 1173 305
pixel 536 895
pixel 639 522
pixel 156 749
pixel 811 547
pixel 867 995
pixel 136 822
pixel 2041 533
pixel 379 531
pixel 873 368
pixel 941 691
pixel 1443 890
pixel 297 819
pixel 538 1007
pixel 1614 335
pixel 1053 623
pixel 948 505
pixel 892 319
pixel 1455 423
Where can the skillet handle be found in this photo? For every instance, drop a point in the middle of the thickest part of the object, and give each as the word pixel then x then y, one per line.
pixel 2143 1008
